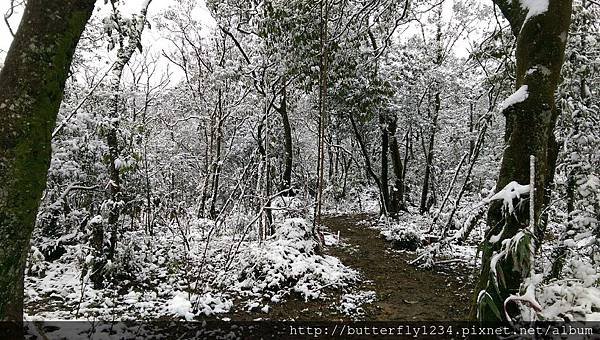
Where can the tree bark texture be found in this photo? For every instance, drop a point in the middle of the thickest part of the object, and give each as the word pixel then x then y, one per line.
pixel 541 41
pixel 32 83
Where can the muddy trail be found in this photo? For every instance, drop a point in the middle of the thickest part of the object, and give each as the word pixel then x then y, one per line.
pixel 403 292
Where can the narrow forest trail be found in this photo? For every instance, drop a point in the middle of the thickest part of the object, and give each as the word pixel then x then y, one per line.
pixel 403 292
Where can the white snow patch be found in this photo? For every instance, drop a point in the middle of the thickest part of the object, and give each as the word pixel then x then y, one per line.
pixel 179 305
pixel 519 96
pixel 511 191
pixel 96 220
pixel 351 304
pixel 534 7
pixel 209 304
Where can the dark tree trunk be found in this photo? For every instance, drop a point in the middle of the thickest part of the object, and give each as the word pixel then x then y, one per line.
pixel 541 43
pixel 287 134
pixel 97 244
pixel 367 159
pixel 208 157
pixel 31 88
pixel 385 140
pixel 471 129
pixel 217 163
pixel 429 161
pixel 397 199
pixel 407 149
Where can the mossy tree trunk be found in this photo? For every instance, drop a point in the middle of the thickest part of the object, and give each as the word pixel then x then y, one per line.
pixel 530 123
pixel 31 89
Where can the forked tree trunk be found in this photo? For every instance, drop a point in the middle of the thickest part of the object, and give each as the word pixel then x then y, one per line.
pixel 541 43
pixel 31 88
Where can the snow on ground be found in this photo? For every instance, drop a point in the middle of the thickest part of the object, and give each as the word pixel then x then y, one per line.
pixel 570 300
pixel 575 296
pixel 411 232
pixel 351 303
pixel 183 274
pixel 289 263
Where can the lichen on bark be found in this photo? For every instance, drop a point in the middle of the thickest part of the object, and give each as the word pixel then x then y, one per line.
pixel 529 131
pixel 31 88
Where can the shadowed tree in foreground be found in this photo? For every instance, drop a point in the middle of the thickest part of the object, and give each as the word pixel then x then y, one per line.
pixel 541 38
pixel 31 88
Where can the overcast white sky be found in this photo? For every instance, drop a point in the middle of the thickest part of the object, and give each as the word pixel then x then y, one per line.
pixel 156 7
pixel 152 38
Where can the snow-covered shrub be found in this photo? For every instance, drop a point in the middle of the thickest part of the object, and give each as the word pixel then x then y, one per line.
pixel 351 304
pixel 577 298
pixel 404 237
pixel 180 306
pixel 210 304
pixel 298 231
pixel 288 262
pixel 36 264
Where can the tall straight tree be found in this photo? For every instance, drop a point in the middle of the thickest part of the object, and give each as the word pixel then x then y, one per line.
pixel 541 29
pixel 31 88
pixel 125 52
pixel 322 106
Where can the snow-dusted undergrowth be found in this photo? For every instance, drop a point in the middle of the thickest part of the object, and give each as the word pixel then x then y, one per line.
pixel 410 232
pixel 576 298
pixel 363 199
pixel 351 303
pixel 189 271
pixel 288 262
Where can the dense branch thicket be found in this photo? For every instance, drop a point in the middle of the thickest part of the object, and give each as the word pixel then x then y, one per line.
pixel 197 148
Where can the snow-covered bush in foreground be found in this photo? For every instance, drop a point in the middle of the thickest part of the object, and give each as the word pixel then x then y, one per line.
pixel 205 305
pixel 288 262
pixel 403 237
pixel 576 298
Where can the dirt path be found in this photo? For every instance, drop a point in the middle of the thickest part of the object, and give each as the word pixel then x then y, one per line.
pixel 403 292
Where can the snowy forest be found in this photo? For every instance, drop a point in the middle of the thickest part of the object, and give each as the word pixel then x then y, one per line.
pixel 338 160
